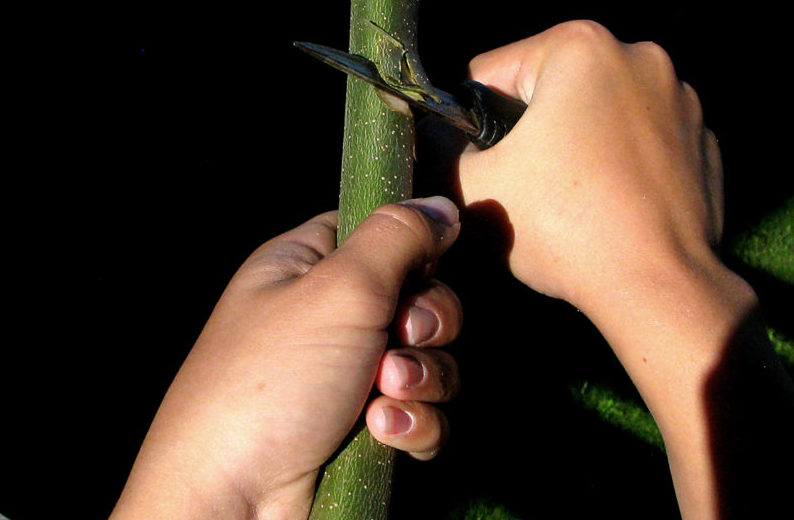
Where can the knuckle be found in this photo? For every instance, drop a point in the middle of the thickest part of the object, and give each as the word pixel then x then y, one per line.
pixel 658 55
pixel 584 30
pixel 655 51
pixel 711 138
pixel 690 91
pixel 693 100
pixel 586 41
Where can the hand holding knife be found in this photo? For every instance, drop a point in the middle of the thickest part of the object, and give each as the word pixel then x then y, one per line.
pixel 485 116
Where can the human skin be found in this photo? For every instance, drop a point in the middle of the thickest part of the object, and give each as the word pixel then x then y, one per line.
pixel 287 360
pixel 612 186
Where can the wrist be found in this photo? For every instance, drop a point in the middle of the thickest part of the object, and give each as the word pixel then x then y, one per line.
pixel 160 487
pixel 669 325
pixel 175 498
pixel 691 294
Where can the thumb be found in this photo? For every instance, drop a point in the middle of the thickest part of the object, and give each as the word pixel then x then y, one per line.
pixel 394 240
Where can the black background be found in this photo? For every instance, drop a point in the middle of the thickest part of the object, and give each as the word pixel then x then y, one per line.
pixel 159 144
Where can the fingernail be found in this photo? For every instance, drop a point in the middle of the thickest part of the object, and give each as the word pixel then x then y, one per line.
pixel 440 209
pixel 409 370
pixel 394 421
pixel 421 326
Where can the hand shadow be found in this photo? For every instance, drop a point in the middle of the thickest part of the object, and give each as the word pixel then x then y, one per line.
pixel 485 223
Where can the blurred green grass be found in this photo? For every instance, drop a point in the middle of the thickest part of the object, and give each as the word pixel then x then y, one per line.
pixel 769 245
pixel 482 509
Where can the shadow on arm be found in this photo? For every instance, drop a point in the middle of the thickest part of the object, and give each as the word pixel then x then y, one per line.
pixel 750 409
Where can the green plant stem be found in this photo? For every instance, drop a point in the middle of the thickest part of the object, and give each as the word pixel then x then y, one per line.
pixel 377 167
pixel 377 153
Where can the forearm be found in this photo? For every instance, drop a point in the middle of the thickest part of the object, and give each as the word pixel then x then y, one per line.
pixel 691 339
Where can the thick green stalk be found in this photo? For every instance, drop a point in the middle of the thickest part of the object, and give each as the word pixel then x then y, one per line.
pixel 377 167
pixel 377 153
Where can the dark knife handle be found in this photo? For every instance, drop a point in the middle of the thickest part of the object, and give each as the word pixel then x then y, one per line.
pixel 494 114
